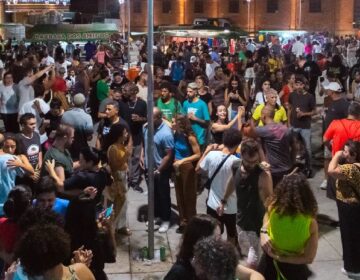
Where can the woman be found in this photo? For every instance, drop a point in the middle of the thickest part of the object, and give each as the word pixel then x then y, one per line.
pixel 280 112
pixel 51 245
pixel 118 153
pixel 11 146
pixel 187 153
pixel 345 167
pixel 199 227
pixel 9 103
pixel 235 95
pixel 18 201
pixel 287 89
pixel 260 97
pixel 221 124
pixel 278 81
pixel 204 92
pixel 289 235
pixel 89 174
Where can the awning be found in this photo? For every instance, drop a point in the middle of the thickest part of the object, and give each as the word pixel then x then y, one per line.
pixel 195 31
pixel 72 32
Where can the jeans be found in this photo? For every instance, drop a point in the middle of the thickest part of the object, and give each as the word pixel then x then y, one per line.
pixel 305 134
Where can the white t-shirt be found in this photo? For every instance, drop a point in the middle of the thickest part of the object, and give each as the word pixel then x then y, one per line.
pixel 143 92
pixel 25 91
pixel 260 98
pixel 8 100
pixel 219 184
pixel 298 48
pixel 210 69
pixel 47 61
pixel 29 107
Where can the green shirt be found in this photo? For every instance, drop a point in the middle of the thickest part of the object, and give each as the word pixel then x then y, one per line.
pixel 289 234
pixel 102 90
pixel 62 159
pixel 169 109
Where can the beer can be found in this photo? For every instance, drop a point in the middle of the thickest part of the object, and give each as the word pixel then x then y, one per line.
pixel 162 253
pixel 145 253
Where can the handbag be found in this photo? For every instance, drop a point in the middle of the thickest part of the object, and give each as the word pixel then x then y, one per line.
pixel 208 182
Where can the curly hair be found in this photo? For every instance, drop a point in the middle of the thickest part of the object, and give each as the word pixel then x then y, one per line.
pixel 217 257
pixel 184 125
pixel 293 195
pixel 43 247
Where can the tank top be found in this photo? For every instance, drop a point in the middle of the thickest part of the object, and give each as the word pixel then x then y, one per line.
pixel 182 147
pixel 289 234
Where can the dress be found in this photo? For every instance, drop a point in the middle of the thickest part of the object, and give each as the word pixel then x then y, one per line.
pixel 118 156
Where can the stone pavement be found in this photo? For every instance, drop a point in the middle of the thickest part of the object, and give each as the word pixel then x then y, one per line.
pixel 328 260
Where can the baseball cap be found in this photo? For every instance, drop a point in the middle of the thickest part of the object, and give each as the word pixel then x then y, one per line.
pixel 334 86
pixel 79 99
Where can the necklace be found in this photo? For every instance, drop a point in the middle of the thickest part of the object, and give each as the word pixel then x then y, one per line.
pixel 132 107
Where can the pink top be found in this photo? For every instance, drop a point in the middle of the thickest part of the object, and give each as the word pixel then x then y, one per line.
pixel 100 56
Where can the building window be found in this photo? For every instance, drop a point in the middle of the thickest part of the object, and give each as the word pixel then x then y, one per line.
pixel 166 6
pixel 315 6
pixel 137 7
pixel 234 6
pixel 272 6
pixel 198 6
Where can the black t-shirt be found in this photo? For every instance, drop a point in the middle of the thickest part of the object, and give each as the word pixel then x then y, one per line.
pixel 181 270
pixel 82 179
pixel 30 147
pixel 126 109
pixel 306 103
pixel 104 129
pixel 337 110
pixel 55 121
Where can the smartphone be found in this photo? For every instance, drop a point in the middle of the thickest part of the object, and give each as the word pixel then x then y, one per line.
pixel 108 211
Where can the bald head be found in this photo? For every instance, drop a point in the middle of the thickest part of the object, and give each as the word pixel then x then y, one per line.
pixel 157 113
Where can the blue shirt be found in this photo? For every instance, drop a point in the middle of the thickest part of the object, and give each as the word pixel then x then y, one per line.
pixel 182 147
pixel 200 110
pixel 8 176
pixel 163 141
pixel 59 207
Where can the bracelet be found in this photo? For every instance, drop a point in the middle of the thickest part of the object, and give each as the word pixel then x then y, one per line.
pixel 264 230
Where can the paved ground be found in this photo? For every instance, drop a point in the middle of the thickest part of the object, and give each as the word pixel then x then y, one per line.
pixel 327 264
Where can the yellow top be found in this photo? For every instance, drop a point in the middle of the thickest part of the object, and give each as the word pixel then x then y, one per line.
pixel 118 157
pixel 280 114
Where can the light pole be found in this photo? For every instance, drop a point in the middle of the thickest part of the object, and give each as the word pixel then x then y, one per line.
pixel 128 31
pixel 300 13
pixel 248 15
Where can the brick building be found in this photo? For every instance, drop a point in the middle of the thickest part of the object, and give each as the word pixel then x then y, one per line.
pixel 335 16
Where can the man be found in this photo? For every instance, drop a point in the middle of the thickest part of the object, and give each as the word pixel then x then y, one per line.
pixel 253 186
pixel 81 122
pixel 119 80
pixel 46 197
pixel 167 104
pixel 134 111
pixel 251 46
pixel 163 159
pixel 112 117
pixel 208 164
pixel 29 142
pixel 37 107
pixel 115 95
pixel 198 114
pixel 9 170
pixel 217 86
pixel 142 85
pixel 312 73
pixel 177 71
pixel 276 140
pixel 47 59
pixel 9 104
pixel 301 109
pixel 338 109
pixel 340 131
pixel 210 67
pixel 298 48
pixel 90 49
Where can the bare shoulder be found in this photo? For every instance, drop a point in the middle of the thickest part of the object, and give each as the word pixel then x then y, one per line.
pixel 82 272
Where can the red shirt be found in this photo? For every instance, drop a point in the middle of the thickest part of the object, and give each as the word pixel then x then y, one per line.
pixel 340 131
pixel 9 234
pixel 59 85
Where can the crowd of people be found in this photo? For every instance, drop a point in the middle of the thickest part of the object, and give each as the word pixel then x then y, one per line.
pixel 237 125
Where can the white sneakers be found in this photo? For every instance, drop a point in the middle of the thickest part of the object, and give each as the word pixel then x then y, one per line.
pixel 323 184
pixel 351 275
pixel 161 226
pixel 164 227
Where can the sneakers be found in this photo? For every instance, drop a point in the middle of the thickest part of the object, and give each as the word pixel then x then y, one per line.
pixel 138 189
pixel 323 185
pixel 164 227
pixel 351 275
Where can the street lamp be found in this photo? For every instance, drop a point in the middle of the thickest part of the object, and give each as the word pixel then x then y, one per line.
pixel 248 19
pixel 300 12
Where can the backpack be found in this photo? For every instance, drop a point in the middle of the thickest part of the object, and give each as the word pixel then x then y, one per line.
pixel 177 71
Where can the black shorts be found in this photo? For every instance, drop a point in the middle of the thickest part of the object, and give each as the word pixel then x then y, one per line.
pixel 229 220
